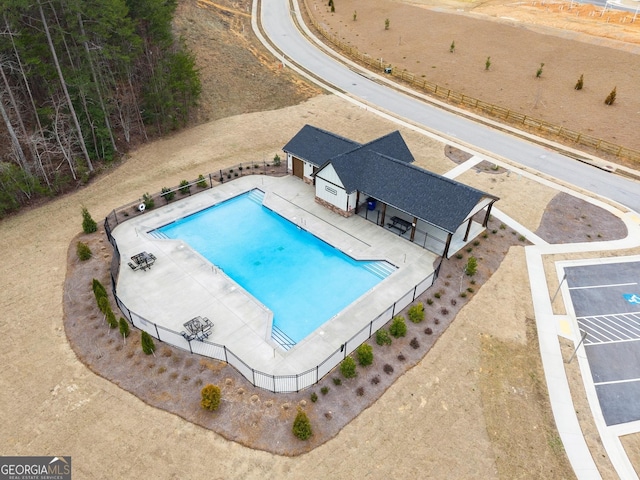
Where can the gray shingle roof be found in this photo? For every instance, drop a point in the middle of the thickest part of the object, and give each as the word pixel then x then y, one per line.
pixel 316 146
pixel 433 198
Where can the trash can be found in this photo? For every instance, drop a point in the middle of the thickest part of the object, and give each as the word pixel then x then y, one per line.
pixel 371 203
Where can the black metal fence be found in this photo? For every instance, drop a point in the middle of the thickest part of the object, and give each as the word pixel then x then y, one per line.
pixel 273 383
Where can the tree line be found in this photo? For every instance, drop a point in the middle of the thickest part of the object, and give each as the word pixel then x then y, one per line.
pixel 81 81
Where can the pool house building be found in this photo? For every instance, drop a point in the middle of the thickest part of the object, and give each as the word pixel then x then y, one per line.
pixel 378 181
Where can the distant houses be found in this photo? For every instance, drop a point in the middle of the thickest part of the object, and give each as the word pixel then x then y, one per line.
pixel 378 181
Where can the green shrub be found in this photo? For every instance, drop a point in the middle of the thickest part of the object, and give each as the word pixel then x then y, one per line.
pixel 348 368
pixel 416 313
pixel 88 224
pixel 167 194
pixel 202 183
pixel 472 266
pixel 539 71
pixel 452 47
pixel 383 337
pixel 276 160
pixel 210 396
pixel 365 354
pixel 580 83
pixel 324 390
pixel 337 381
pixel 302 426
pixel 124 327
pixel 437 294
pixel 111 319
pixel 314 397
pixel 98 289
pixel 429 301
pixel 611 97
pixel 386 24
pixel 398 328
pixel 103 304
pixel 487 63
pixel 148 347
pixel 184 187
pixel 83 251
pixel 148 201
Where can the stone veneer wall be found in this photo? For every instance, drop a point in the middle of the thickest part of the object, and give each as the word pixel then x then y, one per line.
pixel 333 208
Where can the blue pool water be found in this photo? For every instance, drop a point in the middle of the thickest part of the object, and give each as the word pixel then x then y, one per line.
pixel 301 279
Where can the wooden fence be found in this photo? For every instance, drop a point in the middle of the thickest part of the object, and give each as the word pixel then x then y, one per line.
pixel 529 123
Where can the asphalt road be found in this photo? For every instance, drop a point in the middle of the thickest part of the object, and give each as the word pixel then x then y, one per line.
pixel 279 27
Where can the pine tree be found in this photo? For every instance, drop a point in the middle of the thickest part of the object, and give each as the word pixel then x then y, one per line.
pixel 146 340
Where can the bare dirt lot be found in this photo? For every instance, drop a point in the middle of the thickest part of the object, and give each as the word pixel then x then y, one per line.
pixel 516 37
pixel 474 407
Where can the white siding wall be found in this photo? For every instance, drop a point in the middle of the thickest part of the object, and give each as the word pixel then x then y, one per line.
pixel 331 193
pixel 289 162
pixel 308 171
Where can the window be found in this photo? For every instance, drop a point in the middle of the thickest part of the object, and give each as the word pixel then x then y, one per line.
pixel 332 191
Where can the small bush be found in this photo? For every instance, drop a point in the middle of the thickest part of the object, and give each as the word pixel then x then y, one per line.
pixel 428 331
pixel 444 311
pixel 416 313
pixel 453 302
pixel 398 328
pixel 88 224
pixel 401 357
pixel 348 368
pixel 388 369
pixel 463 294
pixel 375 380
pixel 452 47
pixel 611 97
pixel 365 354
pixel 337 381
pixel 472 266
pixel 415 344
pixel 437 320
pixel 437 294
pixel 387 23
pixel 210 397
pixel 167 194
pixel 202 183
pixel 324 390
pixel 276 160
pixel 487 63
pixel 111 319
pixel 458 255
pixel 148 201
pixel 148 347
pixel 383 337
pixel 124 327
pixel 539 71
pixel 184 187
pixel 98 289
pixel 83 251
pixel 360 391
pixel 580 83
pixel 314 397
pixel 302 426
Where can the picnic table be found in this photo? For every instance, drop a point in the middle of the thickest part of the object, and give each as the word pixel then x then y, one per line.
pixel 142 260
pixel 400 224
pixel 197 327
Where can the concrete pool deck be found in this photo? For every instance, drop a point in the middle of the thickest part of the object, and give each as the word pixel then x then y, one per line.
pixel 182 284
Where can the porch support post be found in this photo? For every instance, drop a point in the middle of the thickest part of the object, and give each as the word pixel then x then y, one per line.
pixel 488 214
pixel 357 200
pixel 466 234
pixel 413 228
pixel 445 254
pixel 384 209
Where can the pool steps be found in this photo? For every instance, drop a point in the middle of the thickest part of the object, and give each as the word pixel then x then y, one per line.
pixel 281 338
pixel 380 269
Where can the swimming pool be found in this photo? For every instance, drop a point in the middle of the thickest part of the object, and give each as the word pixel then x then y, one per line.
pixel 300 278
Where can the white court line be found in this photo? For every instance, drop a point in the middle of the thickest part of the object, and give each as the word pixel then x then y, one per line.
pixel 603 286
pixel 587 342
pixel 612 382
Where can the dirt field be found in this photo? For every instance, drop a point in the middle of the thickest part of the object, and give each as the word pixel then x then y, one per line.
pixel 474 407
pixel 518 38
